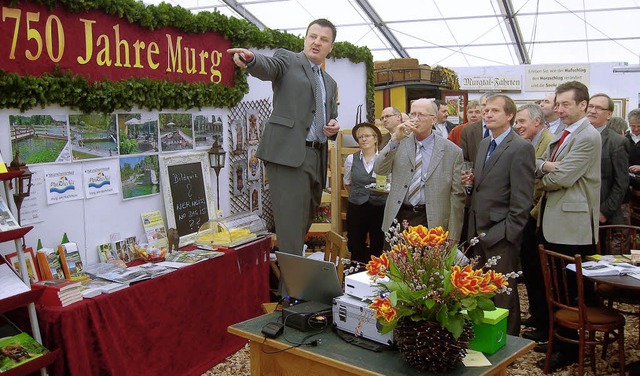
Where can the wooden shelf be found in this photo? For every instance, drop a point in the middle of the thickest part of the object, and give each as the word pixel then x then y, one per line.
pixel 10 174
pixel 21 300
pixel 6 236
pixel 34 365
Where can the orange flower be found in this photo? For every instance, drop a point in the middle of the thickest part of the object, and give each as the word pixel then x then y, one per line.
pixel 497 279
pixel 383 309
pixel 400 250
pixel 466 280
pixel 420 236
pixel 378 265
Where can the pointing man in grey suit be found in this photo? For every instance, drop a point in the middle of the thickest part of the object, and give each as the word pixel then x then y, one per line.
pixel 502 196
pixel 294 143
pixel 438 198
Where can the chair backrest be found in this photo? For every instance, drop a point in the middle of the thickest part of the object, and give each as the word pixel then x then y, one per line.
pixel 335 248
pixel 618 239
pixel 557 282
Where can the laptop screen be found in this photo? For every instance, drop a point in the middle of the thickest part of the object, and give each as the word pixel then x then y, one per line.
pixel 309 279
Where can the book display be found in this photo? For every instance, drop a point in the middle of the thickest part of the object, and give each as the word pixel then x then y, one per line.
pixel 49 263
pixel 71 261
pixel 20 355
pixel 60 292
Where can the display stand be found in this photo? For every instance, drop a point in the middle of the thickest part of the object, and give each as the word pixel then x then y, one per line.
pixel 27 298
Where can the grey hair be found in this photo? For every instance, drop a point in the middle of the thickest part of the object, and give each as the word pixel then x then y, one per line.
pixel 534 111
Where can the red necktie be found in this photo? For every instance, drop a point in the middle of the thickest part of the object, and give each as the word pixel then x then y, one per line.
pixel 565 133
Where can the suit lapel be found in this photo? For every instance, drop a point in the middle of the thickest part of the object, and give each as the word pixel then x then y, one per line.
pixel 483 148
pixel 567 144
pixel 436 156
pixel 488 164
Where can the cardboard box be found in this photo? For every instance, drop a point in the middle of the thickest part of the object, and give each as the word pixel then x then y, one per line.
pixel 491 335
pixel 354 316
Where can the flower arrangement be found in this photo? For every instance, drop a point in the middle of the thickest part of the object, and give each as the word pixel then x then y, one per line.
pixel 430 279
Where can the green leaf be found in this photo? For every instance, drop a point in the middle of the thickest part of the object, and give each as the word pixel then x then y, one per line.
pixel 455 325
pixel 477 315
pixel 485 303
pixel 429 303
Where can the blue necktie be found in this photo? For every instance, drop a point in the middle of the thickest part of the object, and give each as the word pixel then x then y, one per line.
pixel 486 133
pixel 492 147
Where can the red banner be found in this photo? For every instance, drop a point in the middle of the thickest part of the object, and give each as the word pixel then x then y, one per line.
pixel 33 40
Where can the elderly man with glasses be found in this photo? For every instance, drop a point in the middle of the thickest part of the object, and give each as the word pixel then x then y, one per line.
pixel 426 187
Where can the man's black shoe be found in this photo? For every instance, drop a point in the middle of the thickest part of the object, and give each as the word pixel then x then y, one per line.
pixel 541 348
pixel 536 335
pixel 528 322
pixel 557 361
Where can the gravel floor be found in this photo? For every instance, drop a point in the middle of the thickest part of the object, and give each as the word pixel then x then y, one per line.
pixel 238 364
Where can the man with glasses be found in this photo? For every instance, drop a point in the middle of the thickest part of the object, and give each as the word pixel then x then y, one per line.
pixel 391 117
pixel 426 187
pixel 614 161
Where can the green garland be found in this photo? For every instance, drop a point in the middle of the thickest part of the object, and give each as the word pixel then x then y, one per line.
pixel 69 90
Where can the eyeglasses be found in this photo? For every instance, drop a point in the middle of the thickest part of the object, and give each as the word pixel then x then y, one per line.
pixel 597 108
pixel 387 116
pixel 420 116
pixel 365 136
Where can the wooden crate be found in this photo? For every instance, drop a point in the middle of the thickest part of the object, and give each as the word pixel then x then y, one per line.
pixel 390 76
pixel 404 63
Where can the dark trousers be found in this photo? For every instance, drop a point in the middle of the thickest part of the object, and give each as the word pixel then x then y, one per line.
pixel 532 276
pixel 362 220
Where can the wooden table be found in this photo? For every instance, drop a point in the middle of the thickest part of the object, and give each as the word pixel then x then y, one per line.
pixel 620 281
pixel 334 356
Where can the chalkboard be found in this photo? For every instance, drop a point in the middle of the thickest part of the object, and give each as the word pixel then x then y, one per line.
pixel 185 181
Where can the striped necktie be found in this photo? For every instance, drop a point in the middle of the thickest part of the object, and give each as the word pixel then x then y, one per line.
pixel 319 121
pixel 416 181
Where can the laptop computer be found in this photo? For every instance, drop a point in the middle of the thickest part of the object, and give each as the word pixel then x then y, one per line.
pixel 309 279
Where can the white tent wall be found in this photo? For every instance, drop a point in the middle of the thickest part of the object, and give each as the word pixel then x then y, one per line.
pixel 90 221
pixel 601 76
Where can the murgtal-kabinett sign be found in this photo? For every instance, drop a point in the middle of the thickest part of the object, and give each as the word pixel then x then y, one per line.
pixel 485 83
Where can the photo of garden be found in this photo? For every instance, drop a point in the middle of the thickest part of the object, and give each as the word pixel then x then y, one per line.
pixel 137 134
pixel 93 136
pixel 176 132
pixel 40 138
pixel 139 176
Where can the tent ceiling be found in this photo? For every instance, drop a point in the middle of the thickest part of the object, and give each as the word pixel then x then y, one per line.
pixel 458 33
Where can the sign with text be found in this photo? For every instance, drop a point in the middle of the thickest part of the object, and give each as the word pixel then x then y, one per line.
pixel 35 40
pixel 548 77
pixel 486 83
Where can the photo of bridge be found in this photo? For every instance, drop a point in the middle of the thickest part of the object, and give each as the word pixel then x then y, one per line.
pixel 40 138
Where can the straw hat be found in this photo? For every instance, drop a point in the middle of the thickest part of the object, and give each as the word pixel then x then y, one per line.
pixel 376 130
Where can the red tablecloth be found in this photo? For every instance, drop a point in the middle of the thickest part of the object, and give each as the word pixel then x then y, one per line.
pixel 175 324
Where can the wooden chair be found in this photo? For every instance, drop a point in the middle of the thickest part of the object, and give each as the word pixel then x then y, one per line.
pixel 617 240
pixel 566 312
pixel 334 250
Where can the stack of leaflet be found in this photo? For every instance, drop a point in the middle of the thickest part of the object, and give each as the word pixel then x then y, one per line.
pixel 60 292
pixel 605 268
pixel 94 287
pixel 351 312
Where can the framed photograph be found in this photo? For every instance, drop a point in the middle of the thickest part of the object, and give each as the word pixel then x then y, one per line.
pixel 620 107
pixel 253 135
pixel 237 137
pixel 139 176
pixel 176 131
pixel 253 167
pixel 255 199
pixel 32 269
pixel 239 177
pixel 185 181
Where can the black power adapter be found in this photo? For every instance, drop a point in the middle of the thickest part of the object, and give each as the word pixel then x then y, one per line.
pixel 272 329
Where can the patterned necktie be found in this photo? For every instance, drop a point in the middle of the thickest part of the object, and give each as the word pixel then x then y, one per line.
pixel 416 181
pixel 565 133
pixel 492 147
pixel 486 133
pixel 319 122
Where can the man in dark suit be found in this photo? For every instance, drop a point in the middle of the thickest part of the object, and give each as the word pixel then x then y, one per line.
pixel 442 125
pixel 502 196
pixel 614 161
pixel 473 133
pixel 293 144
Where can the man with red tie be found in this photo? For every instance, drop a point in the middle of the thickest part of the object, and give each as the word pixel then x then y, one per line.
pixel 570 204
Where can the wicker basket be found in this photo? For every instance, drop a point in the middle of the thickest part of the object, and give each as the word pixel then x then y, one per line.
pixel 427 346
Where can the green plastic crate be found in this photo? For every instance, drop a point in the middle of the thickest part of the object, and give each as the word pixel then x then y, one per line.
pixel 491 335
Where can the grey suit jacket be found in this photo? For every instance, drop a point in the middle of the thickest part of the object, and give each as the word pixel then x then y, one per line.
pixel 502 191
pixel 614 174
pixel 470 140
pixel 443 189
pixel 293 82
pixel 572 190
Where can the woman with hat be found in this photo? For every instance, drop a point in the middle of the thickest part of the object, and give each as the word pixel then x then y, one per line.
pixel 366 206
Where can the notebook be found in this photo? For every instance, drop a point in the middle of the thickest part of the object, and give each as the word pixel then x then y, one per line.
pixel 308 279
